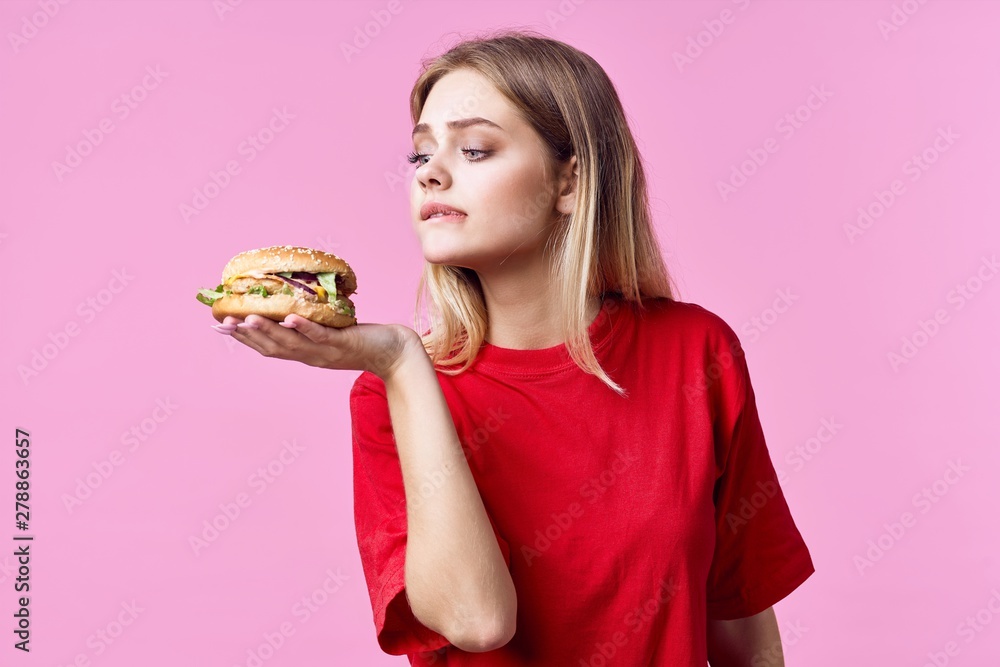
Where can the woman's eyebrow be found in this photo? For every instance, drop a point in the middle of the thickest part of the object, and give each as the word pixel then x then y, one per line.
pixel 459 124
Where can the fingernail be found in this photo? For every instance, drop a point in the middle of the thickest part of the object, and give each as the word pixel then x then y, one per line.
pixel 287 325
pixel 246 325
pixel 222 329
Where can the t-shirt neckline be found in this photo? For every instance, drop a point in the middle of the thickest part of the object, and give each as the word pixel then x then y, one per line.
pixel 549 359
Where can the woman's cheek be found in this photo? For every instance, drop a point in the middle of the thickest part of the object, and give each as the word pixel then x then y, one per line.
pixel 516 200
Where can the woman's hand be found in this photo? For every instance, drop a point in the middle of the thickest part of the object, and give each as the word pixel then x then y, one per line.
pixel 365 346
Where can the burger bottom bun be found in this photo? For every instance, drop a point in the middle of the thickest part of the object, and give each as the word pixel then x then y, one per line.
pixel 277 306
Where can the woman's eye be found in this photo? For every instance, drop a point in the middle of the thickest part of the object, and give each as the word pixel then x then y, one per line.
pixel 414 157
pixel 475 150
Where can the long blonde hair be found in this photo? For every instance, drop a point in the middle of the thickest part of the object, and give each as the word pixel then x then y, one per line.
pixel 606 247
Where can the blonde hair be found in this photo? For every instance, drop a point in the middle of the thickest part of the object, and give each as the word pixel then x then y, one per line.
pixel 606 247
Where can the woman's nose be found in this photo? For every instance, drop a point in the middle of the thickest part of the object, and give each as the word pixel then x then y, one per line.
pixel 432 172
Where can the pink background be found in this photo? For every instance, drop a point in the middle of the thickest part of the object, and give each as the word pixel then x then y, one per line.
pixel 334 177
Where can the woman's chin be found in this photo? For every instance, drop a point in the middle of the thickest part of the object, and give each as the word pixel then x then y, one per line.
pixel 437 254
pixel 446 260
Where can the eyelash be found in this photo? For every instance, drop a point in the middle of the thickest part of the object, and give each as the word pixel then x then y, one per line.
pixel 414 157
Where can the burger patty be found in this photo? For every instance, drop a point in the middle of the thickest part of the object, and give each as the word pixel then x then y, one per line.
pixel 272 285
pixel 277 286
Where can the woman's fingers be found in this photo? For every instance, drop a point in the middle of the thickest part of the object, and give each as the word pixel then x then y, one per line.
pixel 274 340
pixel 257 332
pixel 268 327
pixel 317 333
pixel 289 339
pixel 227 326
pixel 241 335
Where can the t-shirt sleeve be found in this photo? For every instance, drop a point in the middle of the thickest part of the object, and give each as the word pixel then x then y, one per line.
pixel 380 522
pixel 760 556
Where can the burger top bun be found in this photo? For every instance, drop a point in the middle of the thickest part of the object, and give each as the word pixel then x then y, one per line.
pixel 281 258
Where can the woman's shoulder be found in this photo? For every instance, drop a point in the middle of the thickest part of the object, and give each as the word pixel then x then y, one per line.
pixel 684 318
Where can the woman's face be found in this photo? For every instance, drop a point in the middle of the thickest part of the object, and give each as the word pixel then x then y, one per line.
pixel 501 178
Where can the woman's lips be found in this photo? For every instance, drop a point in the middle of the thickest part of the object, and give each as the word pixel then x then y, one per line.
pixel 448 217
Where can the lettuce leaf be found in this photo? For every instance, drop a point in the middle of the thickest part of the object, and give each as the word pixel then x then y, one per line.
pixel 329 283
pixel 210 296
pixel 259 290
pixel 344 309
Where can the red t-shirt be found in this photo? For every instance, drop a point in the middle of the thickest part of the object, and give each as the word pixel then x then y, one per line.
pixel 625 522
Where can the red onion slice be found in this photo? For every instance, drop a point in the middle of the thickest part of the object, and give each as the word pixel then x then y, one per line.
pixel 296 283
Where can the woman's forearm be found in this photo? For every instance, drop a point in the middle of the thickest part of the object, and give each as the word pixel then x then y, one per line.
pixel 456 580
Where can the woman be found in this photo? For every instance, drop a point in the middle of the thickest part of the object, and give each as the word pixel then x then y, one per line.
pixel 568 467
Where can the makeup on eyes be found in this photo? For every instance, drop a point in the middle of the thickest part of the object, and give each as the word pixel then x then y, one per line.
pixel 415 157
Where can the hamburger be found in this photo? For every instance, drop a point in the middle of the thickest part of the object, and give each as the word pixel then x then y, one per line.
pixel 276 281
